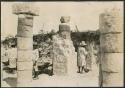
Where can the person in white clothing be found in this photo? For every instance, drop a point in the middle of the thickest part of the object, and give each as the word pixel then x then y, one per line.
pixel 12 56
pixel 81 57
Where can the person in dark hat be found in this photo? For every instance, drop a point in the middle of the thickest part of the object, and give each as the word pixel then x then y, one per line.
pixel 81 57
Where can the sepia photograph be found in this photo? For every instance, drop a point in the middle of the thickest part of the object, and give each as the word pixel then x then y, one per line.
pixel 62 44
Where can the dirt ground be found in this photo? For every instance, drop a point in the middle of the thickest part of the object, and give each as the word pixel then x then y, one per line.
pixel 72 80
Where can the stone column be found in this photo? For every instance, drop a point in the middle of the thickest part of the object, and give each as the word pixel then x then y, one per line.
pixel 111 43
pixel 63 49
pixel 25 14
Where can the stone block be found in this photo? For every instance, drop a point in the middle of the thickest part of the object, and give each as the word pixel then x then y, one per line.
pixel 112 42
pixel 64 31
pixel 59 64
pixel 25 21
pixel 25 8
pixel 24 31
pixel 111 22
pixel 25 65
pixel 24 43
pixel 112 62
pixel 112 79
pixel 24 55
pixel 64 27
pixel 24 76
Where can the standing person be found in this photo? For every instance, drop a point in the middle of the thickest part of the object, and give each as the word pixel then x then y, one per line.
pixel 81 57
pixel 12 56
pixel 35 64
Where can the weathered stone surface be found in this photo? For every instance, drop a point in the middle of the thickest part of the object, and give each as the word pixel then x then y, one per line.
pixel 25 8
pixel 112 42
pixel 25 12
pixel 25 25
pixel 111 22
pixel 64 27
pixel 25 65
pixel 65 19
pixel 24 31
pixel 60 68
pixel 112 79
pixel 25 55
pixel 25 20
pixel 64 31
pixel 112 62
pixel 24 43
pixel 64 60
pixel 24 76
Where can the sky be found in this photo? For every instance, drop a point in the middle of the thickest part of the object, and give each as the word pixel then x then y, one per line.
pixel 83 14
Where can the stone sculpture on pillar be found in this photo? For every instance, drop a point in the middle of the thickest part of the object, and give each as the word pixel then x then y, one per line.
pixel 64 55
pixel 25 12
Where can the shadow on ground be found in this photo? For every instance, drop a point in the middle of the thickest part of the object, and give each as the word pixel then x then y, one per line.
pixel 11 81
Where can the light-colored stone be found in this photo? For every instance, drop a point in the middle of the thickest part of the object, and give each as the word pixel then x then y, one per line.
pixel 112 79
pixel 112 62
pixel 25 65
pixel 24 43
pixel 24 55
pixel 25 8
pixel 25 12
pixel 64 56
pixel 111 21
pixel 112 42
pixel 24 76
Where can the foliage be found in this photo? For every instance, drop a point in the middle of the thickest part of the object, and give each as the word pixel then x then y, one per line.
pixel 88 36
pixel 10 41
pixel 43 40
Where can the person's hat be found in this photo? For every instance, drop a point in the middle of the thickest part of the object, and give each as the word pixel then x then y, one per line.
pixel 82 43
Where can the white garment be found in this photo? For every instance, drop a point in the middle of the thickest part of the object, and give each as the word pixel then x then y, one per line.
pixel 4 55
pixel 35 59
pixel 81 56
pixel 12 56
pixel 35 55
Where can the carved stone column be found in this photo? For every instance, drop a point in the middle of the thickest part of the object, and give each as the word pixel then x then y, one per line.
pixel 25 14
pixel 111 43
